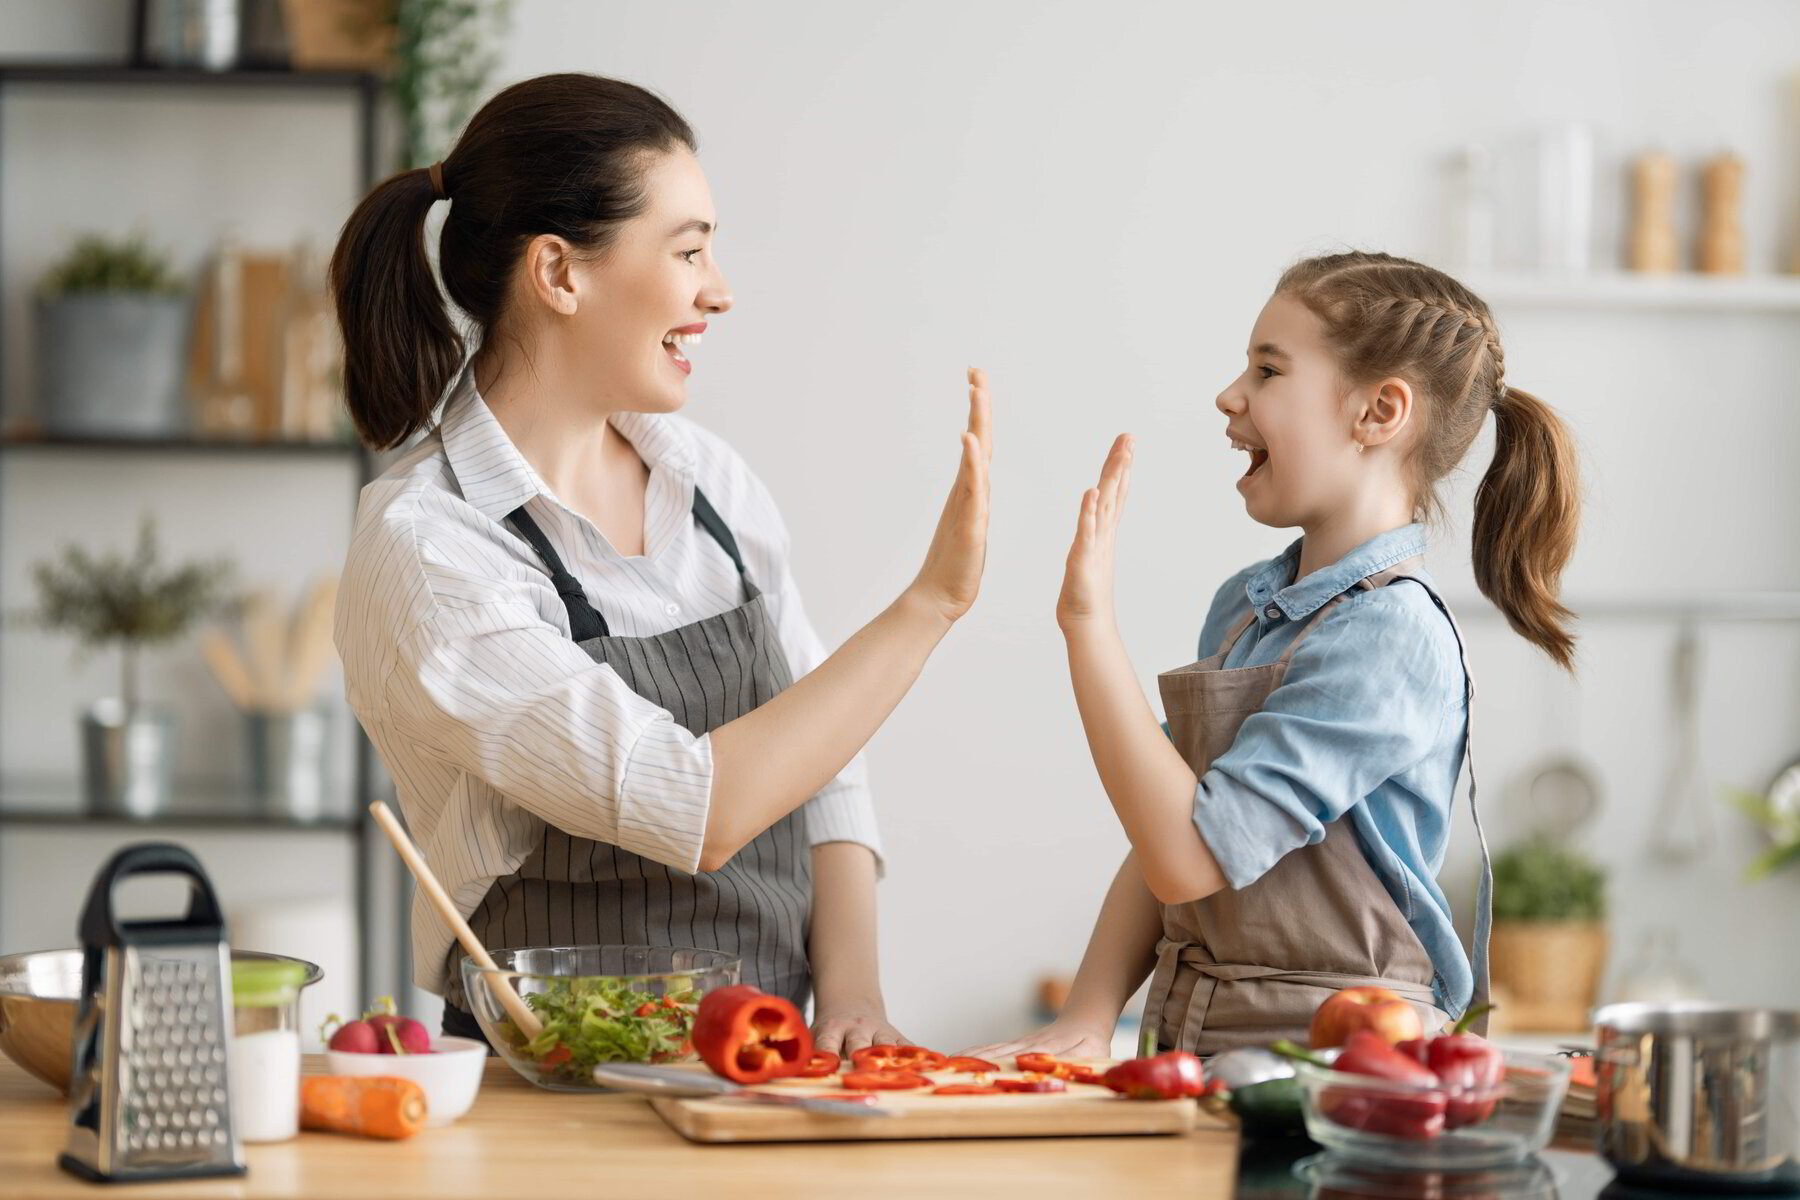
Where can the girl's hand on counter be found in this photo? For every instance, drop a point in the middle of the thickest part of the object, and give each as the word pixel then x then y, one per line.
pixel 842 1031
pixel 1087 590
pixel 1063 1039
pixel 951 576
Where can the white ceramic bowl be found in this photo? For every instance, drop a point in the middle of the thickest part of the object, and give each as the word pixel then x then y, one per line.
pixel 450 1077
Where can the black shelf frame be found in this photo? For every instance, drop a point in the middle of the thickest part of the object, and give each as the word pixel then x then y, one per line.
pixel 367 89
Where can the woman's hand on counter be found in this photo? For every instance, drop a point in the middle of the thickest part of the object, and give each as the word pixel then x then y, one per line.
pixel 851 1027
pixel 951 576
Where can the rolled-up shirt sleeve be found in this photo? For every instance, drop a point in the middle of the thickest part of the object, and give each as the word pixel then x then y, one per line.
pixel 495 691
pixel 1364 699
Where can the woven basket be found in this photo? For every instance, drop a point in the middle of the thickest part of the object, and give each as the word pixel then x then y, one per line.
pixel 1546 973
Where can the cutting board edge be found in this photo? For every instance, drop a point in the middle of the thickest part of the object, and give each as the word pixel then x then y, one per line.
pixel 698 1122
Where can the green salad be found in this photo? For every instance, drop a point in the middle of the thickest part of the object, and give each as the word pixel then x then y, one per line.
pixel 598 1020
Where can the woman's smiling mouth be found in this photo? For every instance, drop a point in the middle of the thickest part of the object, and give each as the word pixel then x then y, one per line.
pixel 675 339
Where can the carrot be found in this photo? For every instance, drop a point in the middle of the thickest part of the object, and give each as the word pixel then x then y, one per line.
pixel 378 1106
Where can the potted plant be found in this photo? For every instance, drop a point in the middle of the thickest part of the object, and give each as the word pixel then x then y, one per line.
pixel 128 745
pixel 1549 938
pixel 112 332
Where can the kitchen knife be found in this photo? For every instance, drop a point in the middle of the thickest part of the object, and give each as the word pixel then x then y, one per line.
pixel 670 1081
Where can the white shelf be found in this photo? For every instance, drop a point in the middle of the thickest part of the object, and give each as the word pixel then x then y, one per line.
pixel 1623 291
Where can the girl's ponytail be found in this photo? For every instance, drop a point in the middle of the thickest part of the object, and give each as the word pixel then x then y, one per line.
pixel 1526 514
pixel 400 348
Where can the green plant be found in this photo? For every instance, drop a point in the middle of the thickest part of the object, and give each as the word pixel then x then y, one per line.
pixel 444 53
pixel 1539 880
pixel 1781 824
pixel 132 600
pixel 100 264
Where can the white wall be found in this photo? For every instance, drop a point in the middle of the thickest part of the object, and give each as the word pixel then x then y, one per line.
pixel 1092 201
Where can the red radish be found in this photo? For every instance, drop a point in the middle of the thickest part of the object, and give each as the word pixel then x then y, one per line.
pixel 356 1037
pixel 399 1035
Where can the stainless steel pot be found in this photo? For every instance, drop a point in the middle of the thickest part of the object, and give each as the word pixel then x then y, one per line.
pixel 1700 1095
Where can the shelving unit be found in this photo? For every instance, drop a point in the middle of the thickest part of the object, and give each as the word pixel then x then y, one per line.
pixel 209 806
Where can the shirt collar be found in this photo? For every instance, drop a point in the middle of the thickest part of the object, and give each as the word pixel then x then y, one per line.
pixel 1303 597
pixel 496 479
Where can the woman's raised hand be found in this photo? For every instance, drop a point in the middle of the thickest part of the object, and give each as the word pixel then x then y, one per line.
pixel 1087 590
pixel 951 575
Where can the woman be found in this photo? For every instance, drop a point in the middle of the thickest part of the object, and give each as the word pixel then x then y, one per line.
pixel 567 619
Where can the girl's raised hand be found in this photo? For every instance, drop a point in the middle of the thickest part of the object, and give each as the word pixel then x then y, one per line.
pixel 1087 590
pixel 951 575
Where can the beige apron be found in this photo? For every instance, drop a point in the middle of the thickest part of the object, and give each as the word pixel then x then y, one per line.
pixel 1246 966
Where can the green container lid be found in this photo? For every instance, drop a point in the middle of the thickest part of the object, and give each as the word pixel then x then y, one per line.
pixel 265 984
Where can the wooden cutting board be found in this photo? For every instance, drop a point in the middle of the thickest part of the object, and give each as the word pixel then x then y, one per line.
pixel 1085 1110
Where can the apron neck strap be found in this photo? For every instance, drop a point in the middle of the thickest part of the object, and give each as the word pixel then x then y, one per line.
pixel 585 621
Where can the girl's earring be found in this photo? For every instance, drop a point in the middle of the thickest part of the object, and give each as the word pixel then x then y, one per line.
pixel 1360 447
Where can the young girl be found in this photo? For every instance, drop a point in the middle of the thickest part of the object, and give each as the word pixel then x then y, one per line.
pixel 1287 832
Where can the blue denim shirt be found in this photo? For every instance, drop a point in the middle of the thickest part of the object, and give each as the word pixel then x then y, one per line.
pixel 1368 724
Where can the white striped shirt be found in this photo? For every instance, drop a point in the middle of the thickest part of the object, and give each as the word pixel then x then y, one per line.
pixel 491 721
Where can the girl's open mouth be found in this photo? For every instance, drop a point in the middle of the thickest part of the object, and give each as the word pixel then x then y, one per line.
pixel 1258 459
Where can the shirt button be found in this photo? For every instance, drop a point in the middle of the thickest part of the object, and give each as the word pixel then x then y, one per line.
pixel 1271 612
pixel 672 609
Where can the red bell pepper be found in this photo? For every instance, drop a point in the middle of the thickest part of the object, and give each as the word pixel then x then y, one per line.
pixel 1412 1115
pixel 1470 1068
pixel 883 1056
pixel 966 1065
pixel 1032 1083
pixel 884 1081
pixel 749 1036
pixel 821 1064
pixel 1168 1076
pixel 966 1089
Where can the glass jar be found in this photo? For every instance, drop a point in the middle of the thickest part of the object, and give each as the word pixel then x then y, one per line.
pixel 265 1049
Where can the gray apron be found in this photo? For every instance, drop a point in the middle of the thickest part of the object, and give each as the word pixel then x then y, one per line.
pixel 572 891
pixel 1248 965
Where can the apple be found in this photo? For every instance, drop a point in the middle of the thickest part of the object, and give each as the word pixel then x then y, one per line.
pixel 1375 1009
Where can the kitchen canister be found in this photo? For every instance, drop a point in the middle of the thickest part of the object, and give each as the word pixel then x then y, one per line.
pixel 265 1049
pixel 1700 1096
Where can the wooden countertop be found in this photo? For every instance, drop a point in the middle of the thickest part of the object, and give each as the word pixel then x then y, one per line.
pixel 522 1143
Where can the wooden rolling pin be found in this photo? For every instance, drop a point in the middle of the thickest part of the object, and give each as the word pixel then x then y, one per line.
pixel 511 1001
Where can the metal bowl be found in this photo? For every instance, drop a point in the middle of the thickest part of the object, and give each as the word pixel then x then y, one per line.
pixel 38 994
pixel 1700 1095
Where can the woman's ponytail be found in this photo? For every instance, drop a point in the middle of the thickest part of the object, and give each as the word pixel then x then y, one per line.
pixel 1526 514
pixel 400 348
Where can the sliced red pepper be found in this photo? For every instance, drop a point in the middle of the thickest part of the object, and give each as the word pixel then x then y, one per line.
pixel 963 1063
pixel 821 1064
pixel 1043 1064
pixel 885 1081
pixel 644 1009
pixel 884 1056
pixel 1080 1073
pixel 559 1054
pixel 966 1089
pixel 749 1036
pixel 1169 1076
pixel 1032 1083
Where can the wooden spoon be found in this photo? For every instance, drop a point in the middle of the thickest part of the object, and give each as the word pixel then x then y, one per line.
pixel 511 1001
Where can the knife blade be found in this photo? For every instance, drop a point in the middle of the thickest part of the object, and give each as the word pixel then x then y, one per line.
pixel 651 1080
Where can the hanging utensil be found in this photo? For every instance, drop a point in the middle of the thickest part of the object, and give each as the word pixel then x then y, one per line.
pixel 1683 830
pixel 1562 798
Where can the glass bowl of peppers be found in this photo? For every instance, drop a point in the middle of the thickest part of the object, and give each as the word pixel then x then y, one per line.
pixel 1456 1101
pixel 592 1005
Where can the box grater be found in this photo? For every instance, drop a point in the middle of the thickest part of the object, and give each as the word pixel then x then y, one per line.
pixel 148 1086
